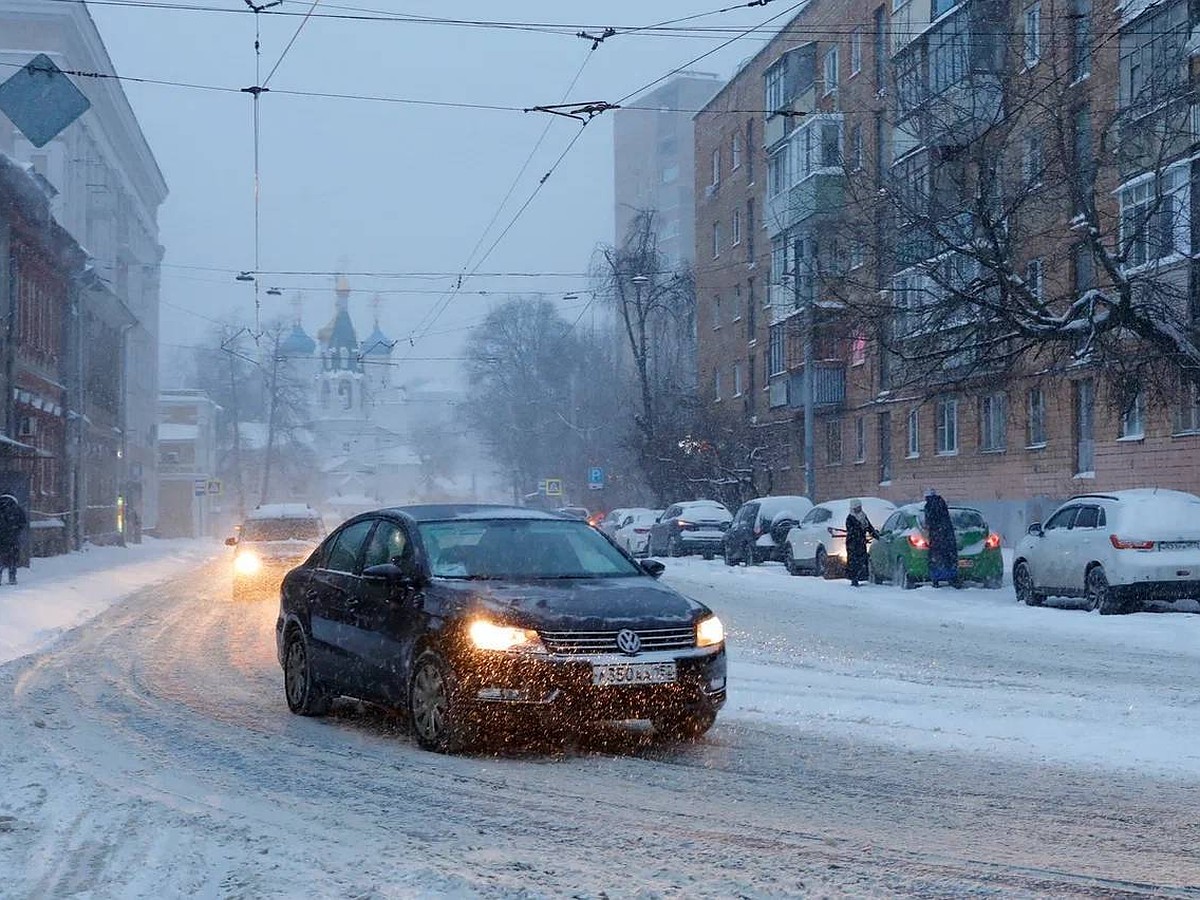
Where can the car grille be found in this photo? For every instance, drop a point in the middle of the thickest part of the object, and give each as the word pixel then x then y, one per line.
pixel 598 642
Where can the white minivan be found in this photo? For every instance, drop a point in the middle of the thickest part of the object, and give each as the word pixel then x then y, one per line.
pixel 1115 549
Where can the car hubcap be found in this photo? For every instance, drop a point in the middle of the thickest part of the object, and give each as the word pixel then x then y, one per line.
pixel 429 702
pixel 1024 585
pixel 297 672
pixel 1096 592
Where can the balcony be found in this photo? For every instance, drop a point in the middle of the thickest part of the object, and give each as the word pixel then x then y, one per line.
pixel 779 123
pixel 821 193
pixel 829 385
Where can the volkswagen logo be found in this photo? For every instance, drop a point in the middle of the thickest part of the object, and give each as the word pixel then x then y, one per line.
pixel 628 642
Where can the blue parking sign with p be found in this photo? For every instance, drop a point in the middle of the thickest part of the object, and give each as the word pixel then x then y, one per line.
pixel 595 478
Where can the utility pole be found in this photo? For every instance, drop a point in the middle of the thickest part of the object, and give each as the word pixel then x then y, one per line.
pixel 806 336
pixel 273 398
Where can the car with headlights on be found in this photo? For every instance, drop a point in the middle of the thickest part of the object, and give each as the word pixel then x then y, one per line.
pixel 475 618
pixel 273 538
pixel 1116 550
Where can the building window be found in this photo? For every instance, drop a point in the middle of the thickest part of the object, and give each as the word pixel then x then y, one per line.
pixel 776 85
pixel 831 70
pixel 1187 411
pixel 856 42
pixel 777 352
pixel 1033 278
pixel 947 425
pixel 1156 217
pixel 777 172
pixel 1083 268
pixel 860 439
pixel 1036 436
pixel 914 433
pixel 779 259
pixel 735 152
pixel 717 384
pixel 856 147
pixel 1153 57
pixel 1033 34
pixel 833 442
pixel 993 426
pixel 1133 418
pixel 716 313
pixel 716 239
pixel 737 227
pixel 1082 157
pixel 1085 427
pixel 858 348
pixel 751 313
pixel 716 167
pixel 1080 16
pixel 949 58
pixel 737 379
pixel 1032 163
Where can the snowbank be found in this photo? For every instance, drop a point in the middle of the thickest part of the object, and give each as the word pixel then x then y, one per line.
pixel 62 592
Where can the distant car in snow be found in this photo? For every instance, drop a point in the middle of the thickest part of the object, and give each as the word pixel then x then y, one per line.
pixel 469 617
pixel 694 526
pixel 633 535
pixel 901 552
pixel 573 512
pixel 818 544
pixel 273 538
pixel 613 518
pixel 759 525
pixel 1115 549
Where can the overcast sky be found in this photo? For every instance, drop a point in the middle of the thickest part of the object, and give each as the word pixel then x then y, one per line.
pixel 385 187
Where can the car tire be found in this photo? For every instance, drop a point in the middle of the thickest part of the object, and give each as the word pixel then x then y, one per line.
pixel 684 725
pixel 673 548
pixel 301 686
pixel 1023 586
pixel 789 561
pixel 730 559
pixel 900 576
pixel 435 711
pixel 819 561
pixel 1099 594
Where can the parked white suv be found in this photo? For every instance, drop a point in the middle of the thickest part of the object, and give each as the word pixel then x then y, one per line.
pixel 1117 550
pixel 818 544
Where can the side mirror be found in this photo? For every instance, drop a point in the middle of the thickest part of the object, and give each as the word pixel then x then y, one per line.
pixel 652 567
pixel 231 542
pixel 1036 528
pixel 393 573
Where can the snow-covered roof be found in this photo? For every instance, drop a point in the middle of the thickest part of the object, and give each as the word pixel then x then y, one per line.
pixel 283 511
pixel 177 431
pixel 770 505
pixel 298 343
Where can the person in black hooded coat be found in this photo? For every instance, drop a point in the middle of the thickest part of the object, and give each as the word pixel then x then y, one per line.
pixel 858 526
pixel 13 523
pixel 943 543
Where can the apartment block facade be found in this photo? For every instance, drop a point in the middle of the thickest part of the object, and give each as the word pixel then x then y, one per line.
pixel 880 139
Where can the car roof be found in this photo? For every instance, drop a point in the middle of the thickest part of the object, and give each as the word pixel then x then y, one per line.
pixel 709 503
pixel 283 511
pixel 1139 495
pixel 443 512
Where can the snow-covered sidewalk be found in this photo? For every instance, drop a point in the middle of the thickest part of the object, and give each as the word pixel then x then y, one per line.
pixel 62 592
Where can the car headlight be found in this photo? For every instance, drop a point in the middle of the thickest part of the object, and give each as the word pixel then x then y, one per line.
pixel 487 635
pixel 247 563
pixel 709 632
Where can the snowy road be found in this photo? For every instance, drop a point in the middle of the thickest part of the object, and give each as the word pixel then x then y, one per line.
pixel 876 743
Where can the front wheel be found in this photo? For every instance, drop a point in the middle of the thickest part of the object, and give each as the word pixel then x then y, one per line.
pixel 435 706
pixel 305 696
pixel 819 562
pixel 1099 594
pixel 730 559
pixel 789 561
pixel 684 725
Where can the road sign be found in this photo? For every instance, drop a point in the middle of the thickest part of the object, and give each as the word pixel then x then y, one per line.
pixel 200 487
pixel 542 486
pixel 41 100
pixel 214 486
pixel 596 478
pixel 554 487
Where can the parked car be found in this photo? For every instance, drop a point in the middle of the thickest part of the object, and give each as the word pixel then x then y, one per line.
pixel 468 617
pixel 612 520
pixel 901 553
pixel 1116 550
pixel 634 534
pixel 818 544
pixel 697 526
pixel 273 538
pixel 573 512
pixel 751 536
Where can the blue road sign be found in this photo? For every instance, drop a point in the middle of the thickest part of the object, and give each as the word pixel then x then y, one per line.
pixel 596 478
pixel 41 100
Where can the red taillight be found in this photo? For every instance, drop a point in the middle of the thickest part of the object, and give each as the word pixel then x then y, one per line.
pixel 1120 544
pixel 918 541
pixel 993 541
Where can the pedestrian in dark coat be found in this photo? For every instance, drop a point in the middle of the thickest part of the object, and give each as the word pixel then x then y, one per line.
pixel 13 523
pixel 858 526
pixel 943 544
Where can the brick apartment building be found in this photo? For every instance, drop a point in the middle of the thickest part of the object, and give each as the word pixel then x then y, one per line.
pixel 854 101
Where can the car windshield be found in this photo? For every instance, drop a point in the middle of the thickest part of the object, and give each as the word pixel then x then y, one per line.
pixel 962 519
pixel 521 549
pixel 282 530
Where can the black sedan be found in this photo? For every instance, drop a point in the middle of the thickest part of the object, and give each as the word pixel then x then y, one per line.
pixel 463 615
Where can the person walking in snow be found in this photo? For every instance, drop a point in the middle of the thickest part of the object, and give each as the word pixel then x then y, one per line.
pixel 13 523
pixel 943 544
pixel 858 526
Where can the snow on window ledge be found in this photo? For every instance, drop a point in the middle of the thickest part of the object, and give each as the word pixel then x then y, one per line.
pixel 1038 446
pixel 1131 438
pixel 1084 475
pixel 993 451
pixel 913 456
pixel 946 453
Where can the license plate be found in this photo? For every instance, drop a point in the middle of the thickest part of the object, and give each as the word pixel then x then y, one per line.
pixel 633 673
pixel 1179 545
pixel 966 563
